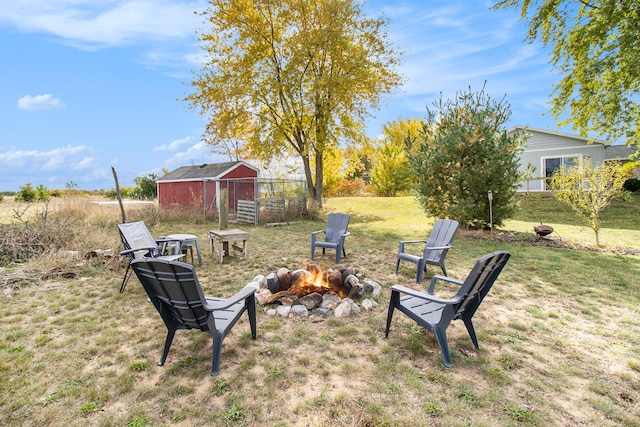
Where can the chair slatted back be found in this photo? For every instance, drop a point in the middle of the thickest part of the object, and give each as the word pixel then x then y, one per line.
pixel 337 224
pixel 441 235
pixel 479 281
pixel 175 291
pixel 136 235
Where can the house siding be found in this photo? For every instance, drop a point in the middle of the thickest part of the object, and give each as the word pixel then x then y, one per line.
pixel 543 145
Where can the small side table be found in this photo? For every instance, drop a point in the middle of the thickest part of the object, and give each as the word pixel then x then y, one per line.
pixel 219 239
pixel 183 240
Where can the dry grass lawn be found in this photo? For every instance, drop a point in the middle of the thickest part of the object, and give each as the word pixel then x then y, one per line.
pixel 559 333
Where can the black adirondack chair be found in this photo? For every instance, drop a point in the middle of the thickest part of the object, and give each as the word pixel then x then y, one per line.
pixel 435 248
pixel 435 314
pixel 337 224
pixel 138 243
pixel 173 288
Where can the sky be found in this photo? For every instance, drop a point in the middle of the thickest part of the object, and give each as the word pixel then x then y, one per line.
pixel 87 86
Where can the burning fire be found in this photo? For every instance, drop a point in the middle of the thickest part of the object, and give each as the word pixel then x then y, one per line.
pixel 312 279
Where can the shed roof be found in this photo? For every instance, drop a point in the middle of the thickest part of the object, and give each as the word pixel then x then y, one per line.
pixel 204 171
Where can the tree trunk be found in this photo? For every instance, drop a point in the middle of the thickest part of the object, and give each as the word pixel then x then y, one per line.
pixel 310 183
pixel 318 186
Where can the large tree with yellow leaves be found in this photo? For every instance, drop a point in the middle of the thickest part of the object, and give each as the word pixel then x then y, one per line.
pixel 292 76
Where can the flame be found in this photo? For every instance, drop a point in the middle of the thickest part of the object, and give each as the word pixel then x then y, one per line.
pixel 312 279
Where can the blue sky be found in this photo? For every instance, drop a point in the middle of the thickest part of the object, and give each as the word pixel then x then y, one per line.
pixel 88 85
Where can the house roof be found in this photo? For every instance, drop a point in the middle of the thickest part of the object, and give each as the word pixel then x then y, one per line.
pixel 619 152
pixel 562 134
pixel 204 171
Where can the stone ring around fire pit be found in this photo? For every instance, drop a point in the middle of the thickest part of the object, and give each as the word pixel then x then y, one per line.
pixel 310 291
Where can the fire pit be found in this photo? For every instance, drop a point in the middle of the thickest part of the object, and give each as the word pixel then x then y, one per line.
pixel 311 291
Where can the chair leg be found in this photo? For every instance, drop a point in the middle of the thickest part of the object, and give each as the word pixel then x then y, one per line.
pixel 472 332
pixel 251 311
pixel 216 352
pixel 422 267
pixel 127 275
pixel 441 337
pixel 444 269
pixel 397 265
pixel 167 345
pixel 395 299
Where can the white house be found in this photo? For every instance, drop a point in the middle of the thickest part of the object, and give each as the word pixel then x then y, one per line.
pixel 545 151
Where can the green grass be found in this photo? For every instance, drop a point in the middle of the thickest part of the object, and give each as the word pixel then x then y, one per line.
pixel 559 335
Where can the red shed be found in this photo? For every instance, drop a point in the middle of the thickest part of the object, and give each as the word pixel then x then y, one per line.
pixel 199 185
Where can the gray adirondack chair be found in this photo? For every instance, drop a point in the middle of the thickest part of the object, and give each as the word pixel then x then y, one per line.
pixel 435 248
pixel 173 288
pixel 435 314
pixel 335 233
pixel 138 242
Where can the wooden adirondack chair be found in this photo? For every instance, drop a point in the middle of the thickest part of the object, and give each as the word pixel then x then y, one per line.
pixel 335 234
pixel 174 290
pixel 435 248
pixel 435 314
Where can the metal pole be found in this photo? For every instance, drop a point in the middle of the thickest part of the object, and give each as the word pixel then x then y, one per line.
pixel 490 195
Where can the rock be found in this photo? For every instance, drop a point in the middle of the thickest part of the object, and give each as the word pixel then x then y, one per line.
pixel 263 295
pixel 319 311
pixel 273 284
pixel 272 312
pixel 343 309
pixel 330 300
pixel 371 287
pixel 354 307
pixel 356 293
pixel 310 301
pixel 260 280
pixel 346 272
pixel 283 310
pixel 289 300
pixel 299 310
pixel 284 277
pixel 368 304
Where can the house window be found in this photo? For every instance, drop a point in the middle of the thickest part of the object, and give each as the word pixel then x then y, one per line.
pixel 552 164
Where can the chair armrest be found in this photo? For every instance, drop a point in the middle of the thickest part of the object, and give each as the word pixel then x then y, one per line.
pixel 434 279
pixel 243 294
pixel 142 248
pixel 437 248
pixel 319 231
pixel 348 233
pixel 423 295
pixel 403 242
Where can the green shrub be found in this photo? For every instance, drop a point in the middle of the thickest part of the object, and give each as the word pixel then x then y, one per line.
pixel 462 152
pixel 632 185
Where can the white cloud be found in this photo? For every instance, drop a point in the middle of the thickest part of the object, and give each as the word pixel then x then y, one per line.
pixel 196 154
pixel 39 102
pixel 92 24
pixel 174 145
pixel 84 163
pixel 33 160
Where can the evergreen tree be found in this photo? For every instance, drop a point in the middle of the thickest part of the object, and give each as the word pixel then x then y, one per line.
pixel 462 153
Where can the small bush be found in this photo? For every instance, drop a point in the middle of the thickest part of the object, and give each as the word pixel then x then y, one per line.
pixel 632 185
pixel 26 194
pixel 349 188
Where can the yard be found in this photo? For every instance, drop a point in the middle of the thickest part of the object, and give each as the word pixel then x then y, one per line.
pixel 559 332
